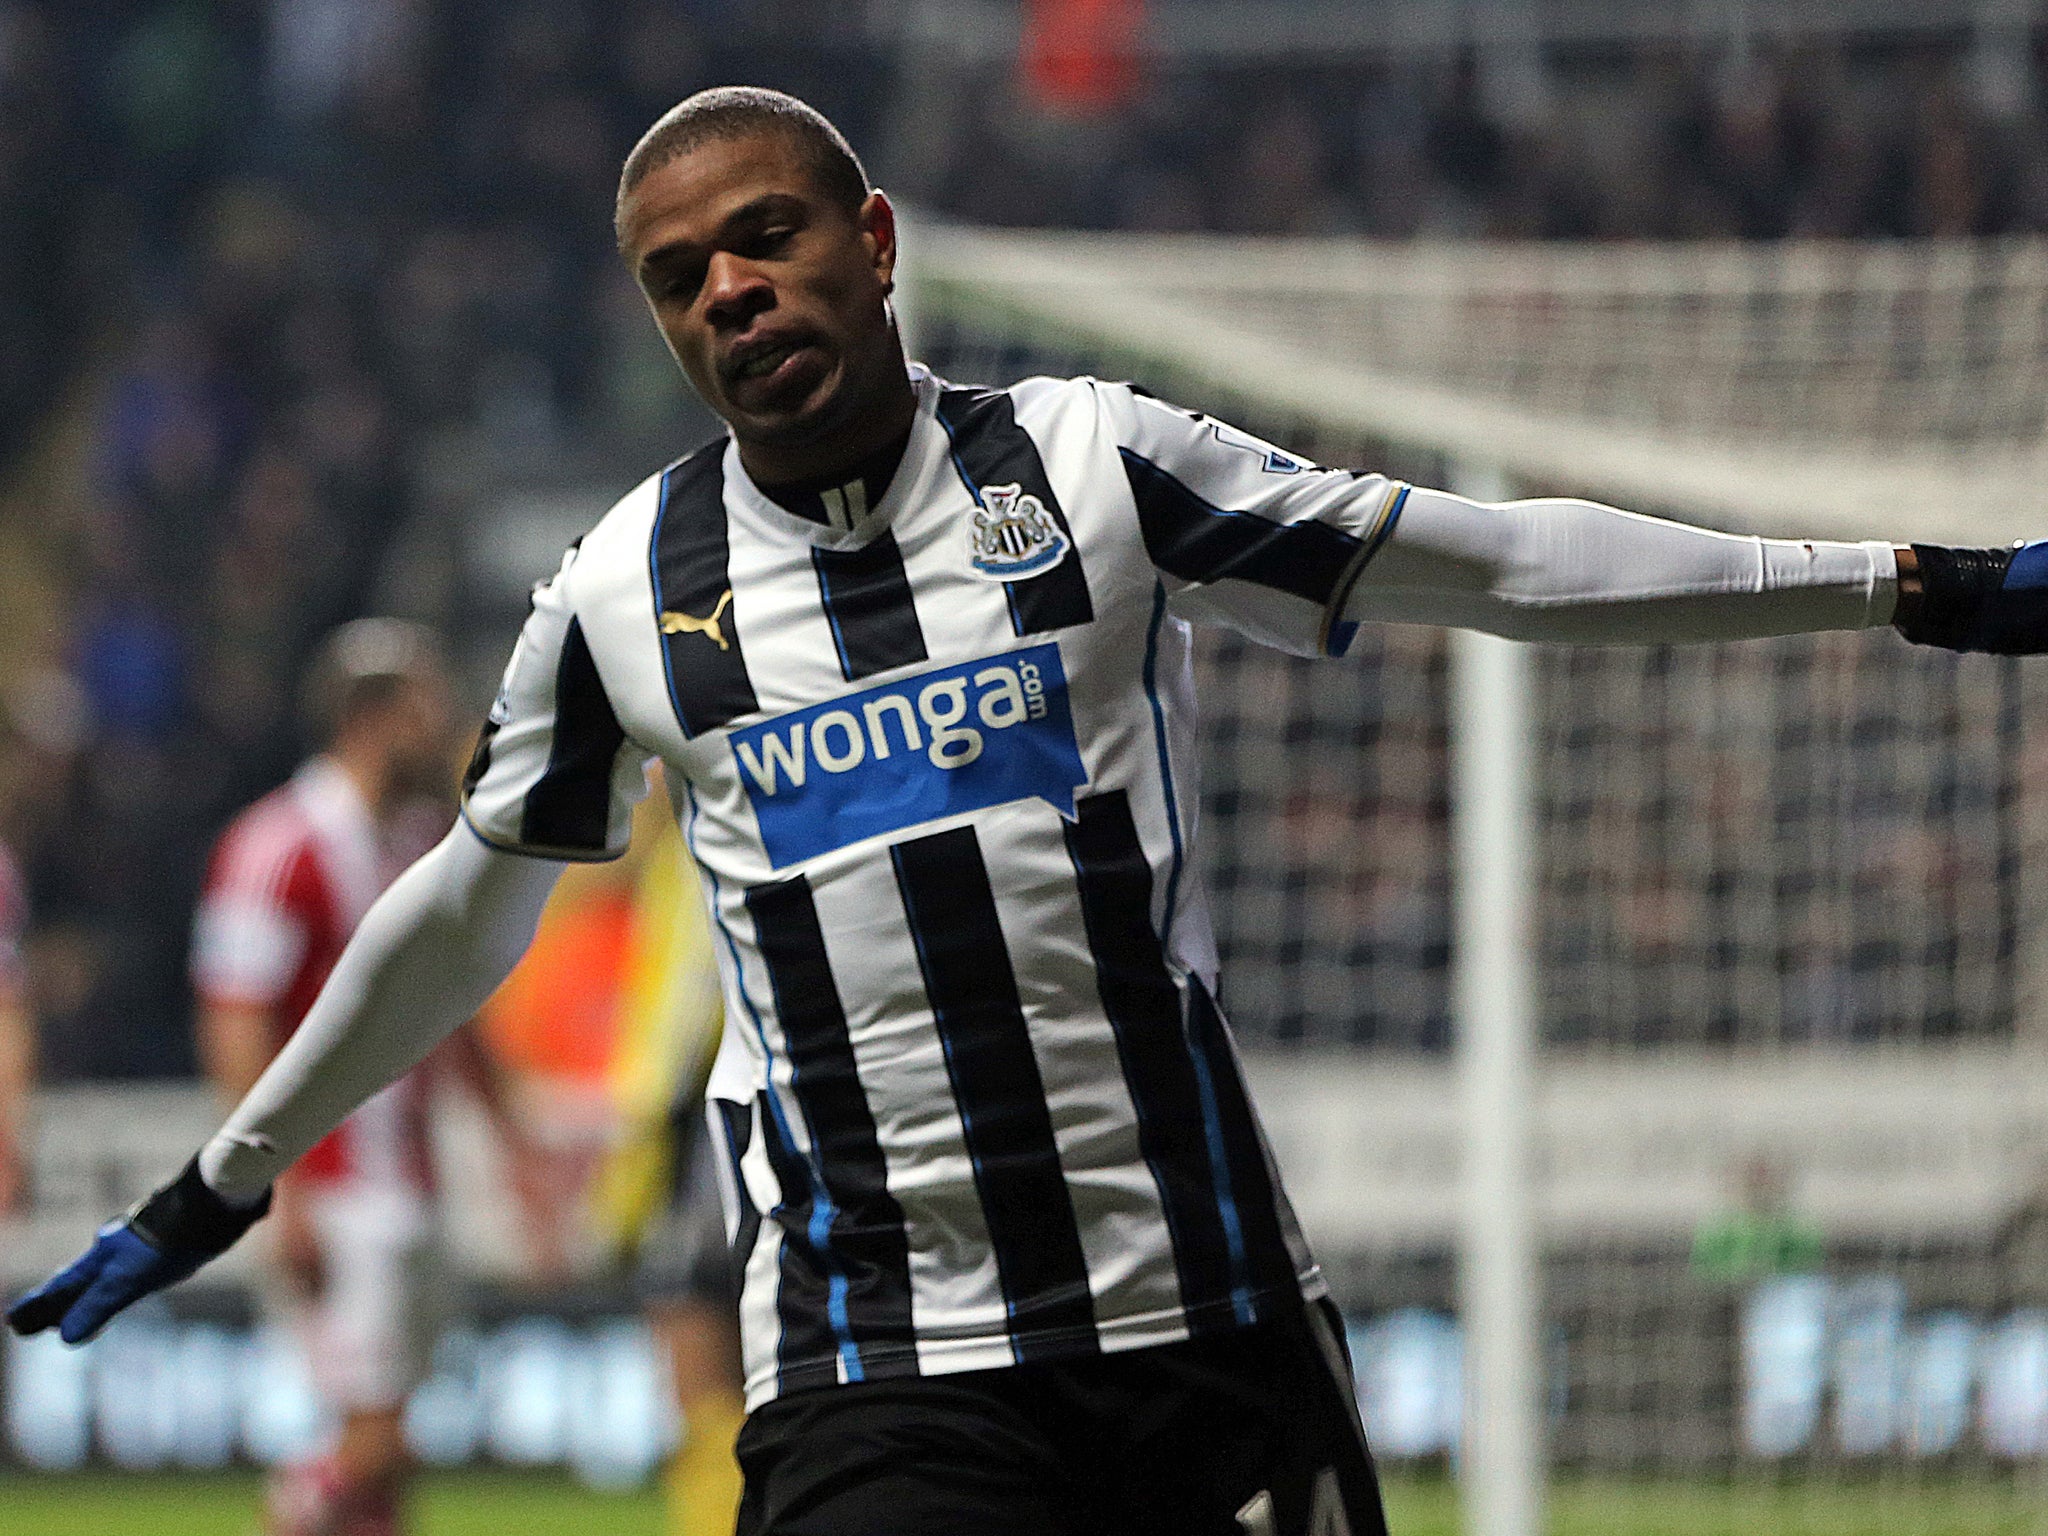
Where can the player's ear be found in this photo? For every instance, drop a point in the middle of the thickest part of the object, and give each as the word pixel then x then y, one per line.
pixel 877 220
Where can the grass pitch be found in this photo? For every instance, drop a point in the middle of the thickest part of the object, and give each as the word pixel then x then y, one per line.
pixel 514 1504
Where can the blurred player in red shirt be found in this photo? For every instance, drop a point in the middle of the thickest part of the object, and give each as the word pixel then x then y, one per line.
pixel 354 1232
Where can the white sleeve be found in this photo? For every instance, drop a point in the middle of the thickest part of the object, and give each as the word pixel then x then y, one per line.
pixel 1242 533
pixel 1582 573
pixel 554 775
pixel 425 957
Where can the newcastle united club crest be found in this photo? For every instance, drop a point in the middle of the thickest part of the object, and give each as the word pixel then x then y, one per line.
pixel 1013 535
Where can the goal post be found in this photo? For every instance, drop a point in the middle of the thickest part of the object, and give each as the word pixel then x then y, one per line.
pixel 1499 1274
pixel 1493 837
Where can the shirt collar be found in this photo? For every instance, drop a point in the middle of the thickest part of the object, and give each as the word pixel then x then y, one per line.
pixel 844 503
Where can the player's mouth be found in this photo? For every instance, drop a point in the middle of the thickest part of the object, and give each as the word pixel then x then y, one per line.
pixel 764 369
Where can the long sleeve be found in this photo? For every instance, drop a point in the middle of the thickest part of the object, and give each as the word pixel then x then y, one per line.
pixel 1582 573
pixel 425 957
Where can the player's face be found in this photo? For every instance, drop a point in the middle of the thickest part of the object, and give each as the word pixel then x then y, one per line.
pixel 770 295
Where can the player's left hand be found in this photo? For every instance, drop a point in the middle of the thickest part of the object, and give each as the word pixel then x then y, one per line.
pixel 157 1244
pixel 1991 600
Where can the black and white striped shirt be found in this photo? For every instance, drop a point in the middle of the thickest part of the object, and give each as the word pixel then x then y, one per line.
pixel 933 748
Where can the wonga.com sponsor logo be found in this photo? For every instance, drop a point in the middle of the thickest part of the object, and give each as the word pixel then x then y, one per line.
pixel 962 738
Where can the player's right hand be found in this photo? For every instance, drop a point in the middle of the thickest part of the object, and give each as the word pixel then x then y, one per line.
pixel 157 1244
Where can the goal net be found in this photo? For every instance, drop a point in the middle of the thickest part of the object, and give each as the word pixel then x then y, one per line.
pixel 1791 1102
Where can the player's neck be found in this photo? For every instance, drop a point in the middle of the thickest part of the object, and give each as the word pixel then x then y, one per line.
pixel 368 773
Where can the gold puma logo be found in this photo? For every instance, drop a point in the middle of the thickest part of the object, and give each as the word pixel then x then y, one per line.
pixel 690 624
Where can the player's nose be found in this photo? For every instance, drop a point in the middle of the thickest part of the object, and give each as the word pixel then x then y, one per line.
pixel 735 290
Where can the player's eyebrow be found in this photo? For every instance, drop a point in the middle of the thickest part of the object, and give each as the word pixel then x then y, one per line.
pixel 748 216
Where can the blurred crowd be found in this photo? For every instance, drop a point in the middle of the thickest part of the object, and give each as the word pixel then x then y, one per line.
pixel 272 255
pixel 1649 143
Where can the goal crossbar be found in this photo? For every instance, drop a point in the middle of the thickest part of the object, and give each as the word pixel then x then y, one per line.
pixel 1892 390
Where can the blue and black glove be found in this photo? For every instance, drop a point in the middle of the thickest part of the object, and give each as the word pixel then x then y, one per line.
pixel 1993 600
pixel 159 1243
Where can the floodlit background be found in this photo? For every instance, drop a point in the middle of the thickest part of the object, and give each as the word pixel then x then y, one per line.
pixel 308 310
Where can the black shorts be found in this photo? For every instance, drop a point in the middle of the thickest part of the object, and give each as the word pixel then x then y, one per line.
pixel 1253 1433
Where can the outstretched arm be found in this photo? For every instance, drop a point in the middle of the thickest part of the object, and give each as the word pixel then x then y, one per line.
pixel 1582 573
pixel 426 955
pixel 1297 556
